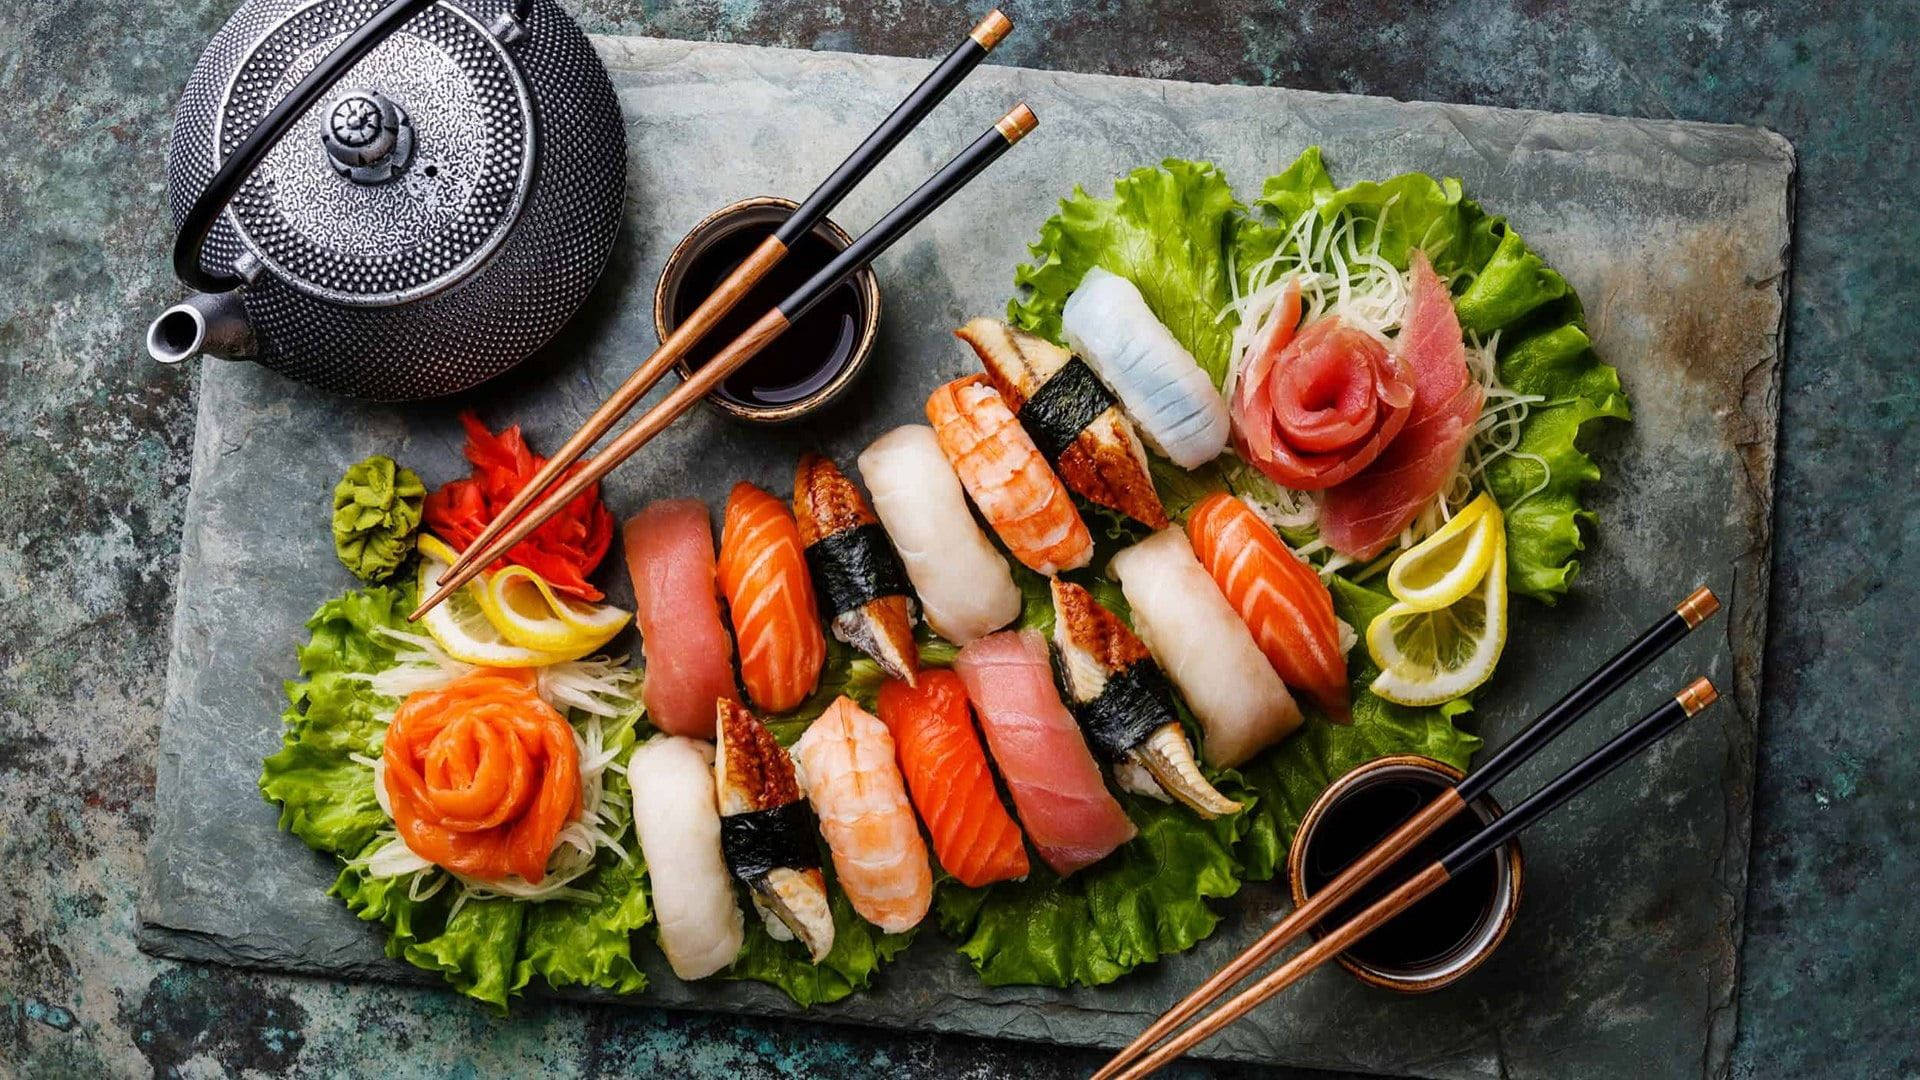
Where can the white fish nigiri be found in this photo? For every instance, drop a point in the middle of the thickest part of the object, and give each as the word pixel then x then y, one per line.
pixel 678 825
pixel 1206 650
pixel 1109 324
pixel 966 590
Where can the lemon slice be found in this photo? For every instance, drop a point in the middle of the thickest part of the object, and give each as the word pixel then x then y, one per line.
pixel 1427 656
pixel 1447 565
pixel 462 628
pixel 528 612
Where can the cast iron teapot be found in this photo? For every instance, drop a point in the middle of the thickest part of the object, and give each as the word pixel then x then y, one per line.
pixel 448 187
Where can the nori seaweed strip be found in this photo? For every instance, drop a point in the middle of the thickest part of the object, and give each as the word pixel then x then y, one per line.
pixel 1135 701
pixel 854 566
pixel 762 840
pixel 1062 408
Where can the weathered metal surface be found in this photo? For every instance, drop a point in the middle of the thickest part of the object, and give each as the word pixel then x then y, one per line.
pixel 1676 236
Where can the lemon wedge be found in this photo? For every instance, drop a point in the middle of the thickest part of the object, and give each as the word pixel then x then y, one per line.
pixel 1430 655
pixel 1447 565
pixel 462 628
pixel 527 611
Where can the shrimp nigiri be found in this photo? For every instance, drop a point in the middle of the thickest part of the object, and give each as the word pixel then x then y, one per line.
pixel 1280 598
pixel 767 832
pixel 974 837
pixel 864 590
pixel 1107 321
pixel 1010 482
pixel 770 600
pixel 846 764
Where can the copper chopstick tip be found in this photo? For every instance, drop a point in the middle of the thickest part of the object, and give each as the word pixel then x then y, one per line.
pixel 1698 695
pixel 1017 123
pixel 991 29
pixel 1699 607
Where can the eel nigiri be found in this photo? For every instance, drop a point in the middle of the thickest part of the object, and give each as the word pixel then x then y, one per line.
pixel 966 590
pixel 688 656
pixel 1108 322
pixel 1282 601
pixel 846 764
pixel 1200 641
pixel 678 826
pixel 1072 417
pixel 1056 785
pixel 974 837
pixel 1364 514
pixel 1125 704
pixel 763 574
pixel 767 832
pixel 1010 482
pixel 863 588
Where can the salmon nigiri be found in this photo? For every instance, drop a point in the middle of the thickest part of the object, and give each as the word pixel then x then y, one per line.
pixel 1055 783
pixel 845 762
pixel 863 587
pixel 770 600
pixel 1009 480
pixel 939 752
pixel 688 655
pixel 1279 597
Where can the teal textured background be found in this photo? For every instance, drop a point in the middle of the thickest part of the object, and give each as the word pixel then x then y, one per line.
pixel 94 464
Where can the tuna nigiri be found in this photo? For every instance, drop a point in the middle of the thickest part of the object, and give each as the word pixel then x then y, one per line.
pixel 1056 786
pixel 965 587
pixel 1282 601
pixel 1072 417
pixel 770 600
pixel 1107 321
pixel 946 770
pixel 1363 515
pixel 767 832
pixel 678 826
pixel 688 655
pixel 1200 641
pixel 1125 704
pixel 1010 482
pixel 846 764
pixel 863 588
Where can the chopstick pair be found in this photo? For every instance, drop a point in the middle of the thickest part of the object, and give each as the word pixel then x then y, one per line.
pixel 1142 1057
pixel 522 516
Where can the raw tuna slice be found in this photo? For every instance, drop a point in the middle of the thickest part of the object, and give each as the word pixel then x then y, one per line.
pixel 689 657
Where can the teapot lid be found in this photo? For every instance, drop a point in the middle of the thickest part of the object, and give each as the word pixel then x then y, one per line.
pixel 404 177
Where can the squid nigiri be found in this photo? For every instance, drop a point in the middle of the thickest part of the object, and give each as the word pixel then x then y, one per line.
pixel 1200 641
pixel 1010 482
pixel 767 832
pixel 1125 704
pixel 1282 601
pixel 770 600
pixel 678 826
pixel 973 836
pixel 1179 412
pixel 1056 785
pixel 688 656
pixel 1072 417
pixel 966 590
pixel 864 590
pixel 846 764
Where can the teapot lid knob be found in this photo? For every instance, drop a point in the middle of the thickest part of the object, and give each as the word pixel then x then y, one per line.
pixel 369 139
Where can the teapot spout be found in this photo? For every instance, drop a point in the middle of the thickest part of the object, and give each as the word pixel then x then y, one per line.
pixel 211 323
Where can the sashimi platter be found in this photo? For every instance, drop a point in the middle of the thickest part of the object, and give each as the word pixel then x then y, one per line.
pixel 1237 497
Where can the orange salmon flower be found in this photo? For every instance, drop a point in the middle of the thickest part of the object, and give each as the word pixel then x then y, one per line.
pixel 482 775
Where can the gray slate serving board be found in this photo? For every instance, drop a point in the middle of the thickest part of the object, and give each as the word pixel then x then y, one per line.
pixel 1676 236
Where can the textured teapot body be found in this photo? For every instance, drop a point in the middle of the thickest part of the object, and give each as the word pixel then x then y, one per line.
pixel 433 218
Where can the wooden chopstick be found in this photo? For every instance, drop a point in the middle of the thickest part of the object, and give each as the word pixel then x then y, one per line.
pixel 954 175
pixel 905 117
pixel 1610 676
pixel 1484 842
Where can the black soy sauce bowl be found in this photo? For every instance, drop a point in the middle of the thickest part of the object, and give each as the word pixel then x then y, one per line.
pixel 1497 908
pixel 765 212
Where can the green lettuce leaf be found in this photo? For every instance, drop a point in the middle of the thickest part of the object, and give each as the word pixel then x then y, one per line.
pixel 476 951
pixel 1166 229
pixel 859 950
